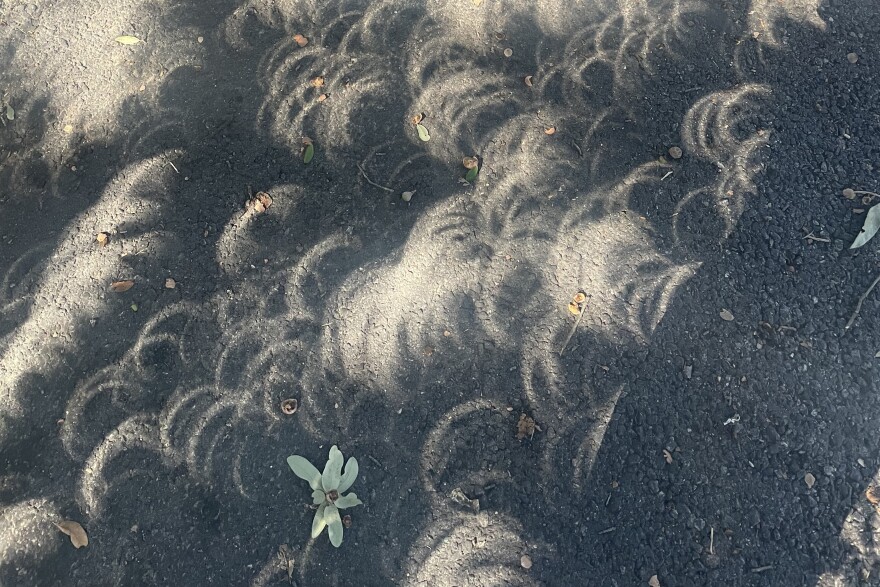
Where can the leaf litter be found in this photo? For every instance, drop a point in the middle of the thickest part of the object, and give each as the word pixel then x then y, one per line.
pixel 77 533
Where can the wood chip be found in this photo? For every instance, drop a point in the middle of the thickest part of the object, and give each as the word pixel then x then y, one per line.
pixel 121 286
pixel 810 480
pixel 77 533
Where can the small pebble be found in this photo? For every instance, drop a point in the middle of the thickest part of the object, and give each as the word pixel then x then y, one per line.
pixel 852 57
pixel 526 561
pixel 810 480
pixel 508 52
pixel 675 152
pixel 201 39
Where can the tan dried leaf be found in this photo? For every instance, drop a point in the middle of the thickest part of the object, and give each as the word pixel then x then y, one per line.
pixel 550 130
pixel 849 194
pixel 525 427
pixel 528 80
pixel 103 238
pixel 654 581
pixel 417 118
pixel 322 97
pixel 121 286
pixel 77 533
pixel 317 82
pixel 675 152
pixel 726 315
pixel 810 480
pixel 170 283
pixel 300 40
pixel 872 493
pixel 667 456
pixel 470 162
pixel 306 141
pixel 525 562
pixel 574 308
pixel 579 298
pixel 264 199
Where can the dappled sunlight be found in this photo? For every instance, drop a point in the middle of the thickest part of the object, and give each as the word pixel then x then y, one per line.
pixel 766 16
pixel 24 535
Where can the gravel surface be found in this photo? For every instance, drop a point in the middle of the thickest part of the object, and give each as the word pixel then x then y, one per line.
pixel 703 417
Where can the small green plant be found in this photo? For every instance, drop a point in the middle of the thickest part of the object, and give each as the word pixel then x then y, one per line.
pixel 327 490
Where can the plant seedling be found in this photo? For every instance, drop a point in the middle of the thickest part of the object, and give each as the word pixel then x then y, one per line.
pixel 327 491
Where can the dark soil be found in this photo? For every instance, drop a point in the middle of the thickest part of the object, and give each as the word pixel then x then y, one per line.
pixel 414 335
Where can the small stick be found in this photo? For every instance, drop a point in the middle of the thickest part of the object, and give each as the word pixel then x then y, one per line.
pixel 607 530
pixel 607 501
pixel 373 183
pixel 577 148
pixel 861 301
pixel 171 163
pixel 762 569
pixel 573 328
pixel 712 540
pixel 378 464
pixel 817 239
pixel 668 173
pixel 872 194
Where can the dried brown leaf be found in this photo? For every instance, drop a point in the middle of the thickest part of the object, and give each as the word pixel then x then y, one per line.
pixel 417 118
pixel 579 298
pixel 550 130
pixel 317 82
pixel 346 521
pixel 170 283
pixel 849 194
pixel 103 238
pixel 654 581
pixel 121 286
pixel 300 40
pixel 872 493
pixel 528 80
pixel 264 199
pixel 77 533
pixel 470 162
pixel 667 456
pixel 574 308
pixel 525 427
pixel 525 562
pixel 810 480
pixel 322 97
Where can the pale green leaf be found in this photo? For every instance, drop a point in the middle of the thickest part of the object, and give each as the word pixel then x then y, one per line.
pixel 423 133
pixel 869 229
pixel 318 497
pixel 308 154
pixel 472 174
pixel 348 501
pixel 303 469
pixel 351 473
pixel 334 525
pixel 127 40
pixel 332 470
pixel 10 112
pixel 319 522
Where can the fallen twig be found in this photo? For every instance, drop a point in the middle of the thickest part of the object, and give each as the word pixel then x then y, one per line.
pixel 861 301
pixel 819 239
pixel 712 540
pixel 762 569
pixel 373 183
pixel 573 328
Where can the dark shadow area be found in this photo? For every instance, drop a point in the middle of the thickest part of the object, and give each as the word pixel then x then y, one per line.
pixel 416 335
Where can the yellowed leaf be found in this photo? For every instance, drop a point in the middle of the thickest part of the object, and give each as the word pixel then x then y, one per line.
pixel 77 533
pixel 122 286
pixel 127 40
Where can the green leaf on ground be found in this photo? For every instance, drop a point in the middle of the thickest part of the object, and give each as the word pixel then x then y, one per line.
pixel 423 133
pixel 869 229
pixel 127 40
pixel 308 153
pixel 472 173
pixel 10 112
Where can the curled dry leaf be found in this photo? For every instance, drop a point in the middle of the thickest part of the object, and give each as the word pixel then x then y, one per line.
pixel 103 238
pixel 869 228
pixel 300 40
pixel 526 427
pixel 317 82
pixel 726 315
pixel 77 533
pixel 667 456
pixel 170 283
pixel 528 80
pixel 407 196
pixel 121 286
pixel 525 561
pixel 579 298
pixel 322 97
pixel 470 162
pixel 289 406
pixel 849 194
pixel 346 521
pixel 550 130
pixel 574 308
pixel 417 118
pixel 675 152
pixel 872 494
pixel 654 581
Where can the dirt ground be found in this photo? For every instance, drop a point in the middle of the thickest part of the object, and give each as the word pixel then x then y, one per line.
pixel 704 417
